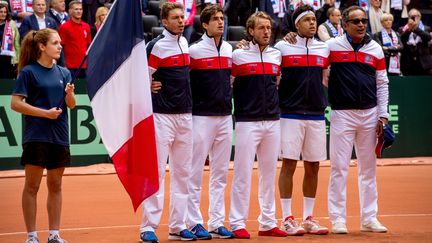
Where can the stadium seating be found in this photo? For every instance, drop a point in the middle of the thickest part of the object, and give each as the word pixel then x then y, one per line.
pixel 149 21
pixel 156 31
pixel 154 8
pixel 236 33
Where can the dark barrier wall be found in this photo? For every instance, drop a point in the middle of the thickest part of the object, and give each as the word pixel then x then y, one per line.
pixel 409 106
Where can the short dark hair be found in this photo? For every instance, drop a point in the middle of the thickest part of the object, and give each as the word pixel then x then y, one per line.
pixel 208 11
pixel 74 2
pixel 347 11
pixel 167 7
pixel 300 10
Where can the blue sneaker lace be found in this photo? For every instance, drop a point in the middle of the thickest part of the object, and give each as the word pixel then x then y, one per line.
pixel 223 231
pixel 186 234
pixel 199 228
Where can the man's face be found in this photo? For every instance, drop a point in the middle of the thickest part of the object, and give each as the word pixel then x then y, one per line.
pixel 262 31
pixel 39 7
pixel 307 25
pixel 215 27
pixel 335 17
pixel 356 24
pixel 58 5
pixel 175 21
pixel 414 17
pixel 76 11
pixel 375 3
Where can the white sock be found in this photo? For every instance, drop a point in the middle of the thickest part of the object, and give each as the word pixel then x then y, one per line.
pixel 52 234
pixel 286 207
pixel 308 205
pixel 32 234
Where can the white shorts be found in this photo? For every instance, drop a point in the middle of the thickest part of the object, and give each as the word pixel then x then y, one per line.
pixel 305 137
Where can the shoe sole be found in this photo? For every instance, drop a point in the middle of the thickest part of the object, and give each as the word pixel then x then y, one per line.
pixel 319 232
pixel 371 230
pixel 146 241
pixel 298 233
pixel 205 238
pixel 242 238
pixel 272 235
pixel 340 231
pixel 218 236
pixel 176 237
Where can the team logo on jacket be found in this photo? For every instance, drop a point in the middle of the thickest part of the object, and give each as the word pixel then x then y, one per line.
pixel 368 59
pixel 229 62
pixel 175 60
pixel 274 68
pixel 209 63
pixel 295 60
pixel 319 61
pixel 252 67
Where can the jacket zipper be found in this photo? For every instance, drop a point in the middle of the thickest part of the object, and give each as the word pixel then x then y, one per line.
pixel 265 88
pixel 307 74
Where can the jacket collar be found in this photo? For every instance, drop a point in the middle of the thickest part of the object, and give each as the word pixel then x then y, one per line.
pixel 254 46
pixel 168 34
pixel 210 40
pixel 366 40
pixel 304 41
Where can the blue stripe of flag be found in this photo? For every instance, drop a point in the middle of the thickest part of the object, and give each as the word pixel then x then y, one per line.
pixel 113 43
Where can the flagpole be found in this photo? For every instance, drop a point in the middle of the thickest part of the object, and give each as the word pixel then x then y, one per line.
pixel 73 80
pixel 85 58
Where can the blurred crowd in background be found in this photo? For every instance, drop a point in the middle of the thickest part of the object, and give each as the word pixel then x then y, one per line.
pixel 401 27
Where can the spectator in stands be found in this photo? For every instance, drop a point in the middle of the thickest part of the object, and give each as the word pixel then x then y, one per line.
pixel 38 20
pixel 75 36
pixel 331 27
pixel 416 57
pixel 375 14
pixel 101 14
pixel 322 13
pixel 40 86
pixel 391 44
pixel 9 43
pixel 238 11
pixel 58 11
pixel 272 8
pixel 287 22
pixel 347 3
pixel 19 9
pixel 398 9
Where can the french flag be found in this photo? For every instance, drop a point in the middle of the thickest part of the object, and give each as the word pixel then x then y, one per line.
pixel 119 89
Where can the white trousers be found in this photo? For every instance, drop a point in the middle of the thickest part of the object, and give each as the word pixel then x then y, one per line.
pixel 262 138
pixel 173 139
pixel 212 135
pixel 348 128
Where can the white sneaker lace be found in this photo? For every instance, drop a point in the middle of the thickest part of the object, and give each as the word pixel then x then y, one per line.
pixel 32 240
pixel 59 239
pixel 290 223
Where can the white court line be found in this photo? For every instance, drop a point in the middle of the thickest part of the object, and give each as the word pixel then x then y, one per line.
pixel 137 225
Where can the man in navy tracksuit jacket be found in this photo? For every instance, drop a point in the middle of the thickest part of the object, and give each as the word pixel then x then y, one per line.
pixel 256 103
pixel 302 103
pixel 211 62
pixel 358 94
pixel 168 59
